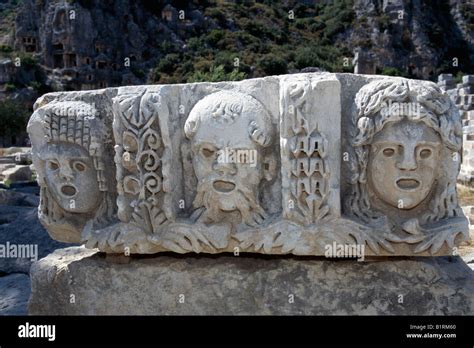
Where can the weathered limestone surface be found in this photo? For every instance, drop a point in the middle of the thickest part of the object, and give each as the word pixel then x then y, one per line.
pixel 248 285
pixel 14 293
pixel 462 94
pixel 279 165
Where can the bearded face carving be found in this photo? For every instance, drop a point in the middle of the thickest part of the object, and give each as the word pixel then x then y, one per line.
pixel 229 132
pixel 287 164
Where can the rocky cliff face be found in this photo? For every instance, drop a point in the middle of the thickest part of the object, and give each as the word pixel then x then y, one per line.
pixel 85 44
pixel 422 38
pixel 96 44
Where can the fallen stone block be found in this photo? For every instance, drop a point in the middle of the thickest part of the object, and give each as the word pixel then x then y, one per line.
pixel 468 79
pixel 19 173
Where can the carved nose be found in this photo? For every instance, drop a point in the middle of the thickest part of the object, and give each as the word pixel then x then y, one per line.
pixel 407 161
pixel 65 172
pixel 225 168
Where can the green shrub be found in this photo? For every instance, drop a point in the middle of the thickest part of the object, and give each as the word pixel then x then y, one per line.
pixel 458 77
pixel 13 117
pixel 27 60
pixel 392 71
pixel 300 23
pixel 226 59
pixel 273 65
pixel 138 72
pixel 259 29
pixel 5 49
pixel 215 74
pixel 166 46
pixel 168 63
pixel 155 75
pixel 10 87
pixel 383 22
pixel 329 58
pixel 332 28
pixel 194 44
pixel 36 85
pixel 214 36
pixel 187 67
pixel 317 26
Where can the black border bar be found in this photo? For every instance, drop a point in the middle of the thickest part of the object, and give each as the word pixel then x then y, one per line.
pixel 140 330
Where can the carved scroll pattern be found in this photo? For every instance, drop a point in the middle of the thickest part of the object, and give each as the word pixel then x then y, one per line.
pixel 139 153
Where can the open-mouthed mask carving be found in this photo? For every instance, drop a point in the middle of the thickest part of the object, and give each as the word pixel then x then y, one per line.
pixel 228 132
pixel 402 164
pixel 71 177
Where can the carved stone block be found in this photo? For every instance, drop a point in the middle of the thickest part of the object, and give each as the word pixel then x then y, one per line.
pixel 308 164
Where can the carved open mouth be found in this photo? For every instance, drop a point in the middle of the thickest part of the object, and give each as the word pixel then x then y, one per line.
pixel 223 186
pixel 408 184
pixel 68 190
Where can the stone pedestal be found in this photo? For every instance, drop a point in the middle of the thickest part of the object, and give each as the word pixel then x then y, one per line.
pixel 77 281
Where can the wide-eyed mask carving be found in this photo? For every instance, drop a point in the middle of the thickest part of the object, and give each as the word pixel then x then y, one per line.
pixel 69 158
pixel 71 177
pixel 392 159
pixel 407 142
pixel 403 163
pixel 229 132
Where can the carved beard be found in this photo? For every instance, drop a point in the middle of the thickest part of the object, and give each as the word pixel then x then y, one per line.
pixel 208 200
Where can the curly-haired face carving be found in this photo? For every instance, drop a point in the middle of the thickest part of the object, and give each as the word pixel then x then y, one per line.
pixel 71 177
pixel 406 135
pixel 402 163
pixel 229 123
pixel 298 164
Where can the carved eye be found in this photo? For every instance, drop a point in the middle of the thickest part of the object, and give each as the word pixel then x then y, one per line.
pixel 53 165
pixel 79 166
pixel 425 153
pixel 388 152
pixel 206 152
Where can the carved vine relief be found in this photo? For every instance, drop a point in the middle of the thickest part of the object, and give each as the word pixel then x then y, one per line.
pixel 113 185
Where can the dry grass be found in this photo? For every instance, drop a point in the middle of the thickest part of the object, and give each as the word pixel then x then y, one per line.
pixel 465 195
pixel 7 151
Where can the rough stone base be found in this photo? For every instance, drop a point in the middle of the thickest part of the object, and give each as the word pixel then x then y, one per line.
pixel 236 285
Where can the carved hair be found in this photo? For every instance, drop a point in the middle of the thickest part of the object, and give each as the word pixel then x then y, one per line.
pixel 72 122
pixel 435 109
pixel 226 107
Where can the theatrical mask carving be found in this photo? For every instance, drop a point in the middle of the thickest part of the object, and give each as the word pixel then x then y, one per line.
pixel 278 165
pixel 71 177
pixel 69 159
pixel 229 134
pixel 407 145
pixel 403 163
